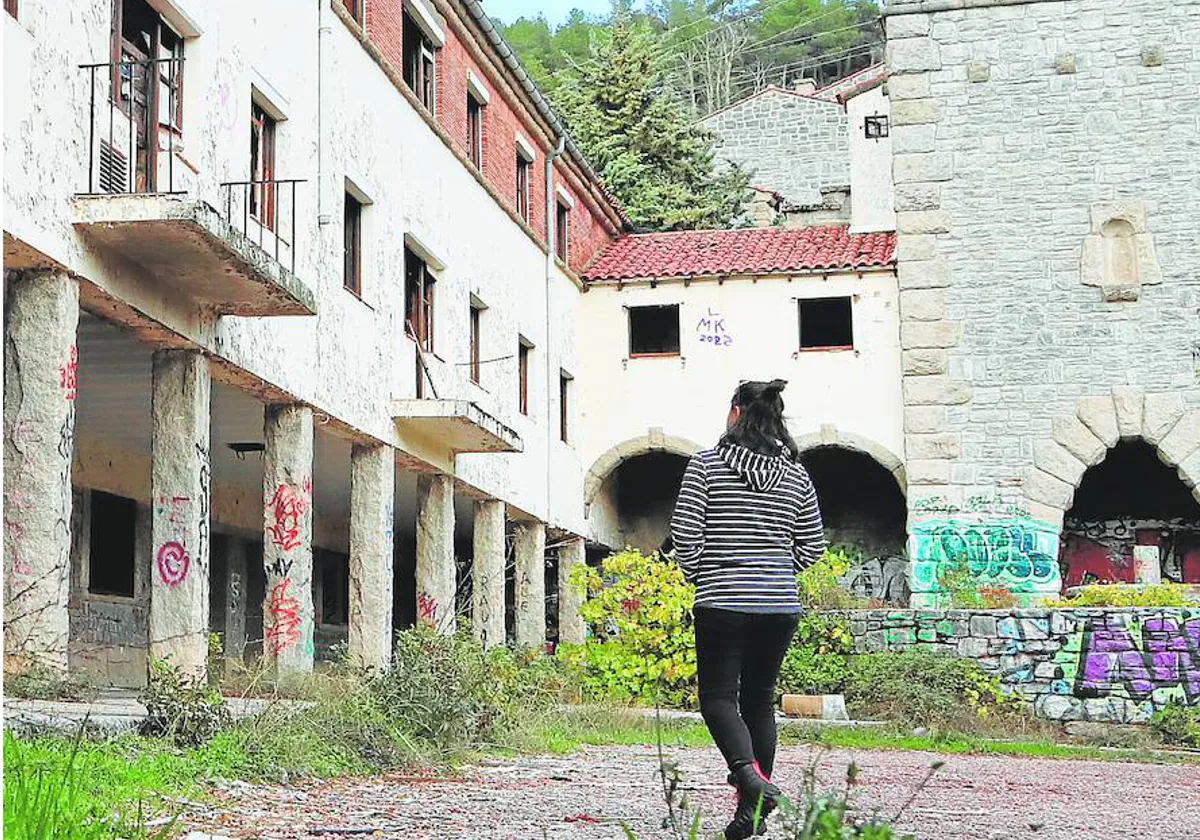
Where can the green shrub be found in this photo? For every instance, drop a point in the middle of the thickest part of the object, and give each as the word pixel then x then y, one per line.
pixel 818 660
pixel 819 586
pixel 643 645
pixel 962 589
pixel 187 710
pixel 1177 725
pixel 1100 595
pixel 922 688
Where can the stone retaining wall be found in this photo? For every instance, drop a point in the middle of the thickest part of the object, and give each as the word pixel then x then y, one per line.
pixel 1110 665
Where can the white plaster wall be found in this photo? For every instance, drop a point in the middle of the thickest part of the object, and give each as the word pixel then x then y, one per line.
pixel 871 207
pixel 688 396
pixel 352 358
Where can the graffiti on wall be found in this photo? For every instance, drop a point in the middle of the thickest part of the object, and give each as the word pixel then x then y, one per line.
pixel 283 630
pixel 1020 555
pixel 710 329
pixel 1141 657
pixel 286 509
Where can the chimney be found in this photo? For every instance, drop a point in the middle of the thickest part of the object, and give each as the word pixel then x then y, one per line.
pixel 805 86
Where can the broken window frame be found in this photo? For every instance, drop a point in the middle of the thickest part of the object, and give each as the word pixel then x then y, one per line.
pixel 524 348
pixel 631 315
pixel 562 232
pixel 420 63
pixel 111 506
pixel 475 130
pixel 476 341
pixel 523 167
pixel 352 245
pixel 876 126
pixel 564 406
pixel 263 131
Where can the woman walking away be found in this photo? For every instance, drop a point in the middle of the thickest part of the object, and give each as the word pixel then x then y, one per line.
pixel 745 523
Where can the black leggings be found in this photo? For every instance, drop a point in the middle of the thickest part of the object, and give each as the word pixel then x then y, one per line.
pixel 738 656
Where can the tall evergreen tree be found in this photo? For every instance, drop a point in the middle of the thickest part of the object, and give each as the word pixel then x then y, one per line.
pixel 641 139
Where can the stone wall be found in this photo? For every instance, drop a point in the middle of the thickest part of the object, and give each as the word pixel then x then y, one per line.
pixel 793 144
pixel 1107 665
pixel 1046 222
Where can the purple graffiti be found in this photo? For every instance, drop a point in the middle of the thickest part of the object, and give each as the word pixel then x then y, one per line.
pixel 1165 656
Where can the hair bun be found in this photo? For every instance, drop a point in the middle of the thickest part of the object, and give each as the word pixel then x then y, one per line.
pixel 774 388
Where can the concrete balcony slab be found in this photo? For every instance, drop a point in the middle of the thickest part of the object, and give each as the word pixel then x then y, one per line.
pixel 457 425
pixel 185 244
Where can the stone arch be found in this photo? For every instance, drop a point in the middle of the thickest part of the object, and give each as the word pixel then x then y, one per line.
pixel 655 440
pixel 830 435
pixel 1082 440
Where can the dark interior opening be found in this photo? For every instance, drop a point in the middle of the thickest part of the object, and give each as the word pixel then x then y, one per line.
pixel 646 488
pixel 653 330
pixel 826 323
pixel 861 503
pixel 110 556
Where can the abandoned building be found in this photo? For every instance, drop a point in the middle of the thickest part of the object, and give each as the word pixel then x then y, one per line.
pixel 318 325
pixel 287 331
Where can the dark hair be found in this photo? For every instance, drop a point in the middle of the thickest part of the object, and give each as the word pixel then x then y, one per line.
pixel 760 426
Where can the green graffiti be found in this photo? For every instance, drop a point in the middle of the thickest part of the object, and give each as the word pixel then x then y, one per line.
pixel 1020 555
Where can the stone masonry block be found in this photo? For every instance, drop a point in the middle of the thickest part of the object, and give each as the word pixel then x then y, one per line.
pixel 913 86
pixel 1060 463
pixel 922 221
pixel 916 112
pixel 924 362
pixel 913 139
pixel 1128 404
pixel 1152 55
pixel 1045 513
pixel 912 55
pixel 1182 440
pixel 978 71
pixel 923 304
pixel 944 446
pixel 1189 470
pixel 924 418
pixel 907 26
pixel 917 334
pixel 924 167
pixel 936 390
pixel 924 274
pixel 1064 64
pixel 1160 413
pixel 1042 487
pixel 1099 415
pixel 928 472
pixel 915 247
pixel 917 196
pixel 1079 440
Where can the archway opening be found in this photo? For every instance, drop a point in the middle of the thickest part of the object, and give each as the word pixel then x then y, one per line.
pixel 865 513
pixel 1130 499
pixel 635 501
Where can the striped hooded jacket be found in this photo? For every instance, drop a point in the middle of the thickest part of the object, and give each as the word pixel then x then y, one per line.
pixel 743 526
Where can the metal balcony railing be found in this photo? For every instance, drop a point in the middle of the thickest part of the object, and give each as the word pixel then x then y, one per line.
pixel 254 208
pixel 134 108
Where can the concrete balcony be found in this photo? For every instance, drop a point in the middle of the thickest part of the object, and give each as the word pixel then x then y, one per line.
pixel 457 425
pixel 186 245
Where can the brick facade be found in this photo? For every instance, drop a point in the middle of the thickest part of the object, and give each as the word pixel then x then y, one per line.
pixel 502 123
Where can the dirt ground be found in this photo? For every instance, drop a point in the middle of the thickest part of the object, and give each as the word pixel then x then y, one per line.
pixel 590 794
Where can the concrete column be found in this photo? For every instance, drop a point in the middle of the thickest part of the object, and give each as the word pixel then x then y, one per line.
pixel 531 584
pixel 179 489
pixel 236 581
pixel 372 493
pixel 39 443
pixel 436 582
pixel 571 630
pixel 287 538
pixel 487 576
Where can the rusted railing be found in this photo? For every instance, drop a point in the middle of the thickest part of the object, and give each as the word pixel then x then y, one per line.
pixel 253 207
pixel 132 105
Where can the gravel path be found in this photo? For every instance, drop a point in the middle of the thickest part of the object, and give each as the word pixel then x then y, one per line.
pixel 586 795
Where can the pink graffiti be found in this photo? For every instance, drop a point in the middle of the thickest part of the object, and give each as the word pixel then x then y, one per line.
pixel 287 506
pixel 68 374
pixel 173 563
pixel 427 608
pixel 1166 655
pixel 285 620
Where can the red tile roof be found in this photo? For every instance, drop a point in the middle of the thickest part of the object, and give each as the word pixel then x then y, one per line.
pixel 750 251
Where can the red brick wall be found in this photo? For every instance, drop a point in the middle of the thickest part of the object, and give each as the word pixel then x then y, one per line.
pixel 385 27
pixel 501 125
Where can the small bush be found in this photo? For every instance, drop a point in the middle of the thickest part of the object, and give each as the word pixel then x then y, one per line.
pixel 1177 725
pixel 922 688
pixel 818 660
pixel 186 710
pixel 819 586
pixel 38 682
pixel 963 591
pixel 643 644
pixel 1101 595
